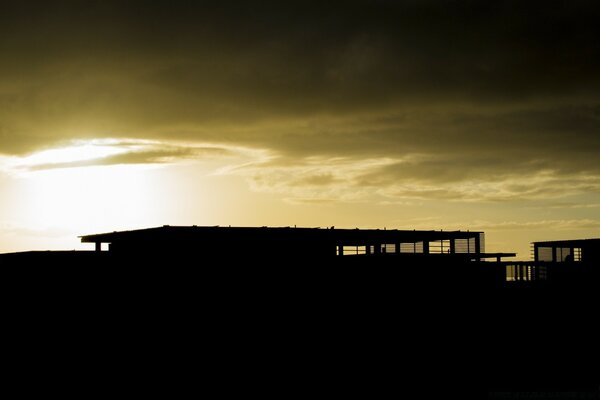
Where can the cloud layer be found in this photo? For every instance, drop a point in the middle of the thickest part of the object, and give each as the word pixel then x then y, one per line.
pixel 405 99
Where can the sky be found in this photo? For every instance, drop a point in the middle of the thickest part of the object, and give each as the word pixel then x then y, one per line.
pixel 471 115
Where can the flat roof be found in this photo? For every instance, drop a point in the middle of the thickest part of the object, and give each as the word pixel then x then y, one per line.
pixel 331 233
pixel 568 243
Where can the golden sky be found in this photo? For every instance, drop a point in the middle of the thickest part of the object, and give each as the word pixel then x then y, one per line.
pixel 400 114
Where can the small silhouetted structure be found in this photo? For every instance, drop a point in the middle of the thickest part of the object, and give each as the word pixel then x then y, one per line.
pixel 559 261
pixel 580 250
pixel 569 261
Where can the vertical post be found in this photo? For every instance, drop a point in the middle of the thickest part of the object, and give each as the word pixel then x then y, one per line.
pixel 477 246
pixel 98 246
pixel 572 252
pixel 453 246
pixel 425 246
pixel 397 248
pixel 377 248
pixel 340 250
pixel 536 250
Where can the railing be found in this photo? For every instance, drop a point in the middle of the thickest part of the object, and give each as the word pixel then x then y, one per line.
pixel 462 246
pixel 525 271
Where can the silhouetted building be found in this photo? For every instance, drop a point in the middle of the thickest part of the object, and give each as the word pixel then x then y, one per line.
pixel 288 242
pixel 581 250
pixel 559 261
pixel 403 289
pixel 435 257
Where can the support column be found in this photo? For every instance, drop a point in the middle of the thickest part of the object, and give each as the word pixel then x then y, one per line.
pixel 452 246
pixel 98 246
pixel 425 246
pixel 478 246
pixel 572 252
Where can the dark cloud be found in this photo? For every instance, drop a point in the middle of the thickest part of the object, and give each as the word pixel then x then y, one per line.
pixel 464 90
pixel 265 50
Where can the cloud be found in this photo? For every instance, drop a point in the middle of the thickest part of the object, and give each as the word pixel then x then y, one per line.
pixel 138 157
pixel 388 180
pixel 162 155
pixel 313 179
pixel 15 230
pixel 551 224
pixel 567 205
pixel 104 152
pixel 128 66
pixel 491 101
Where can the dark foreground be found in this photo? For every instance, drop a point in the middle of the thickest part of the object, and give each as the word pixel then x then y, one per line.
pixel 285 327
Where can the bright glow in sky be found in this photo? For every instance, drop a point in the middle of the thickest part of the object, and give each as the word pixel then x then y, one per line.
pixel 77 152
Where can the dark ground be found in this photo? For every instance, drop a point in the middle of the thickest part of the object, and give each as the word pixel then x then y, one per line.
pixel 279 328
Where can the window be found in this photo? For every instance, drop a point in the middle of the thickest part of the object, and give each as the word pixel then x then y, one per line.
pixel 544 254
pixel 563 254
pixel 411 247
pixel 577 254
pixel 439 247
pixel 524 272
pixel 353 250
pixel 388 248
